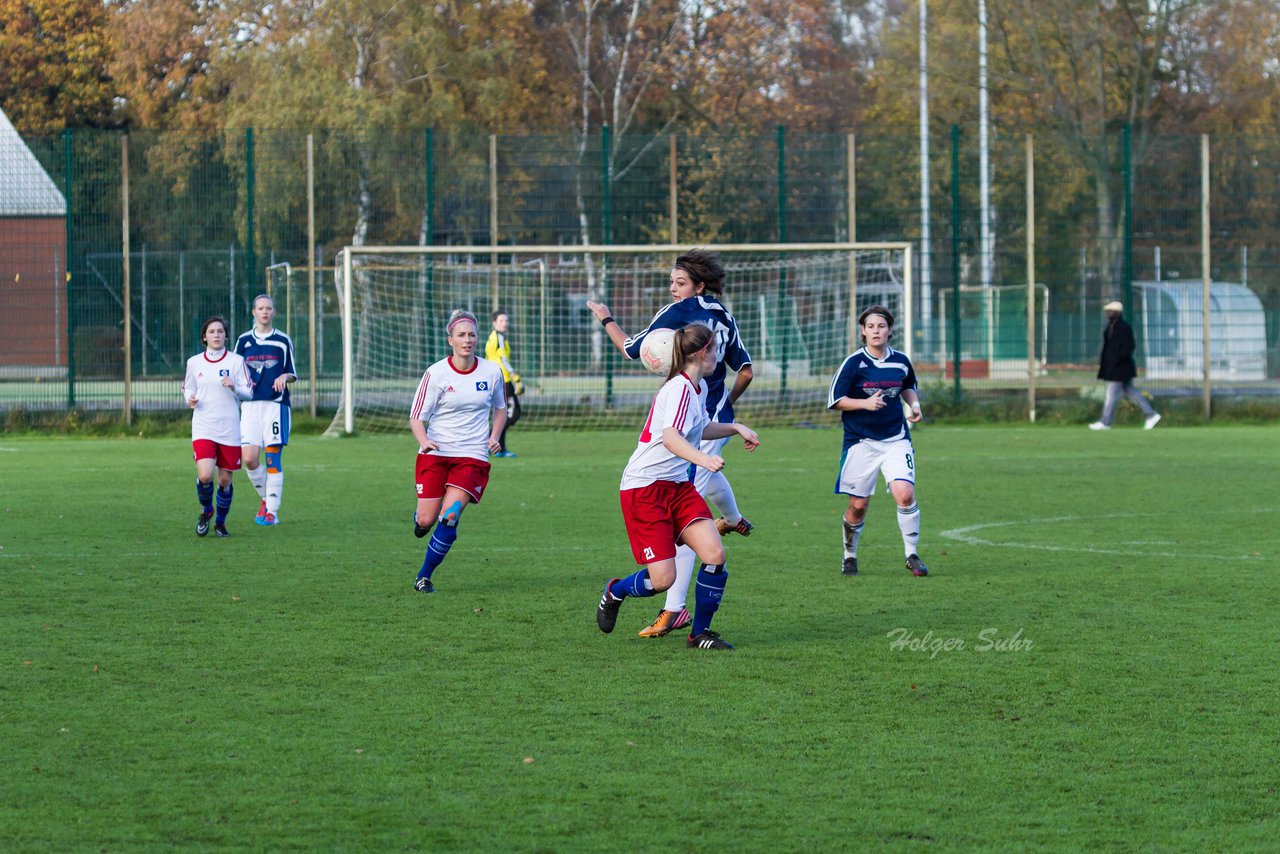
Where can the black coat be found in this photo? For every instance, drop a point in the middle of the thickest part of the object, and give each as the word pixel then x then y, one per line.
pixel 1117 353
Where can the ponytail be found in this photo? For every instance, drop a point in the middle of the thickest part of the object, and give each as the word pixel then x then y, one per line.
pixel 687 341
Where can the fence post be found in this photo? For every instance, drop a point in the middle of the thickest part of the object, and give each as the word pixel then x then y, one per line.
pixel 673 210
pixel 1206 273
pixel 71 325
pixel 493 220
pixel 955 256
pixel 606 149
pixel 311 271
pixel 785 328
pixel 851 211
pixel 251 260
pixel 127 403
pixel 1031 278
pixel 1127 284
pixel 429 216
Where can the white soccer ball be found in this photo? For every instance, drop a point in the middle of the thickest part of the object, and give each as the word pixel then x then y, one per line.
pixel 655 351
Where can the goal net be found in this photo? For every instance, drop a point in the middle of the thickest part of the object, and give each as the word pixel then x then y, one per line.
pixel 796 307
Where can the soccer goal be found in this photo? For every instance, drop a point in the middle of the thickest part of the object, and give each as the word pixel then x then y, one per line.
pixel 796 307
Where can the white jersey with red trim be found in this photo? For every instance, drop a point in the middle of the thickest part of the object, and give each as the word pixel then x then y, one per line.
pixel 217 413
pixel 679 404
pixel 455 406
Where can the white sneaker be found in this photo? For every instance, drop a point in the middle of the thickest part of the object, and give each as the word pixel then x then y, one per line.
pixel 1151 422
pixel 1098 425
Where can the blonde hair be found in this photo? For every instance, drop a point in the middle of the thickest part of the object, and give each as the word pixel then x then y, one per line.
pixel 687 341
pixel 457 316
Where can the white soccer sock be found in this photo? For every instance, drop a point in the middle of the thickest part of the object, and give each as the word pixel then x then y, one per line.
pixel 720 493
pixel 686 560
pixel 275 484
pixel 851 535
pixel 909 524
pixel 258 477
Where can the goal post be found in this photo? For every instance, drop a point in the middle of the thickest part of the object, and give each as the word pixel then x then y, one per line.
pixel 796 305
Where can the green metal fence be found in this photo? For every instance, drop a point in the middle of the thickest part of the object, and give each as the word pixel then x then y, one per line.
pixel 209 214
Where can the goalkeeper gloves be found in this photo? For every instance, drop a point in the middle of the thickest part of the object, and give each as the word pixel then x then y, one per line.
pixel 516 384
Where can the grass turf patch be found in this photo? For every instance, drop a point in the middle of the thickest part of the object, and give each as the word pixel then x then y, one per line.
pixel 285 688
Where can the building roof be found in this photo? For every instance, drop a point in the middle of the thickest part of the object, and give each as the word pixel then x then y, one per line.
pixel 25 188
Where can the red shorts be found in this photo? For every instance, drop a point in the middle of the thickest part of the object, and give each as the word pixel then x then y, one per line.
pixel 227 456
pixel 434 472
pixel 656 515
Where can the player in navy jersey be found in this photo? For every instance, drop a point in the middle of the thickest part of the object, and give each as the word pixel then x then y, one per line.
pixel 870 390
pixel 264 420
pixel 697 288
pixel 450 419
pixel 660 507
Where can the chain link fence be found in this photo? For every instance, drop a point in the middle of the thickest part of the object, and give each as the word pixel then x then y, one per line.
pixel 114 248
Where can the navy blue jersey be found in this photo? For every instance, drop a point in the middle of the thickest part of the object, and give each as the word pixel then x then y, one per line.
pixel 730 352
pixel 268 357
pixel 861 376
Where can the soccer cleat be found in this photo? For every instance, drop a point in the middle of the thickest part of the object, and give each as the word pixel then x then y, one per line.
pixel 508 454
pixel 268 519
pixel 221 530
pixel 1151 422
pixel 607 612
pixel 742 526
pixel 202 524
pixel 1098 425
pixel 424 585
pixel 707 640
pixel 849 567
pixel 916 567
pixel 262 511
pixel 667 622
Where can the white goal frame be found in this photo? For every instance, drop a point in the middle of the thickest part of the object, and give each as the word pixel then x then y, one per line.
pixel 493 250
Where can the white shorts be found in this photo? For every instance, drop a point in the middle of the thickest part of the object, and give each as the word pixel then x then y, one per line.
pixel 263 423
pixel 894 459
pixel 701 477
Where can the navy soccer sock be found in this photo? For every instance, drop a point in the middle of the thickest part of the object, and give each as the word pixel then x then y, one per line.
pixel 635 584
pixel 224 504
pixel 707 595
pixel 204 494
pixel 442 539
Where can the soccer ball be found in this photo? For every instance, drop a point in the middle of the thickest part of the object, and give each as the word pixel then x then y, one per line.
pixel 655 351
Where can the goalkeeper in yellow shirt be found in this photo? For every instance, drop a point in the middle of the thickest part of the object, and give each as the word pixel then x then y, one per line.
pixel 498 349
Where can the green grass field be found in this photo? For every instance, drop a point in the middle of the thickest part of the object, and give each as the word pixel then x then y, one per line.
pixel 286 690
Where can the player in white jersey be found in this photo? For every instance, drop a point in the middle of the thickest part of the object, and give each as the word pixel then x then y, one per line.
pixel 265 420
pixel 697 293
pixel 450 418
pixel 215 383
pixel 660 506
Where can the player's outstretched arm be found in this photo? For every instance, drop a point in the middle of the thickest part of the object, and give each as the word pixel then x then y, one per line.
pixel 719 431
pixel 611 328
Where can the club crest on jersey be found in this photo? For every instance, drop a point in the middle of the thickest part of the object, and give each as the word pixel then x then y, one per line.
pixel 224 373
pixel 482 385
pixel 261 365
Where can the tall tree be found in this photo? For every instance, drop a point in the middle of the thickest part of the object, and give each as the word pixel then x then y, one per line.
pixel 53 56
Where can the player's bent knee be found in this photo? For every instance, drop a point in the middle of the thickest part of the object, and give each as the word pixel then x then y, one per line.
pixel 452 515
